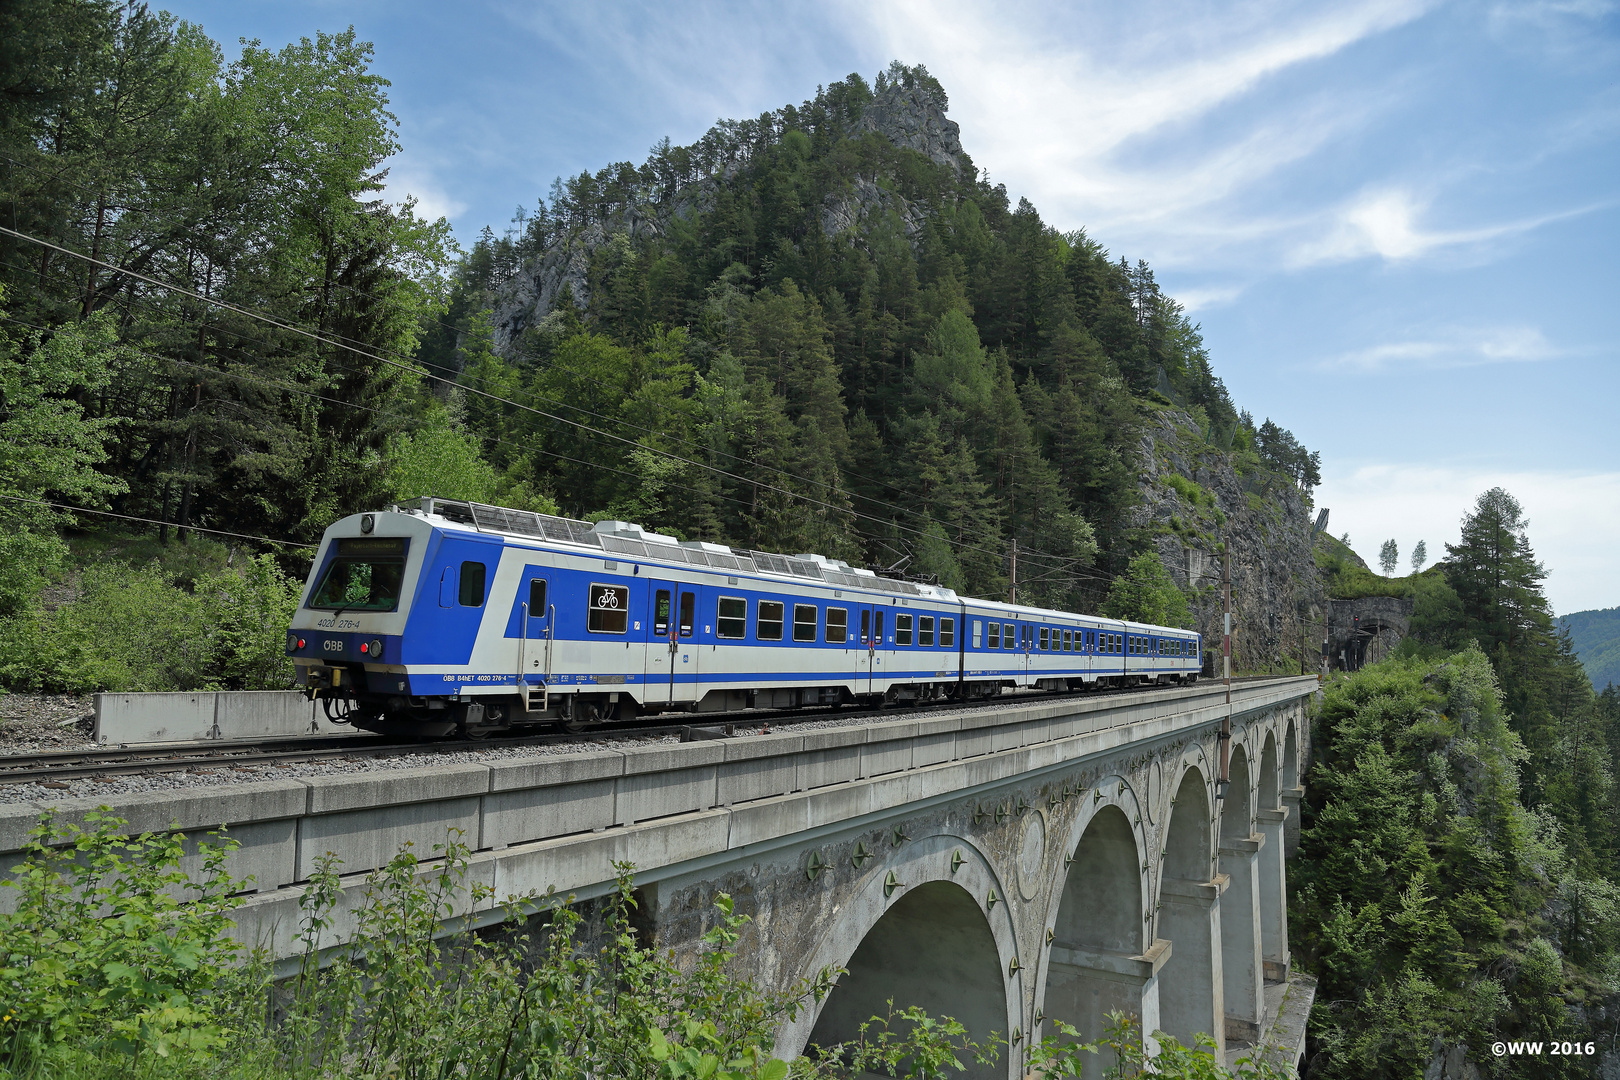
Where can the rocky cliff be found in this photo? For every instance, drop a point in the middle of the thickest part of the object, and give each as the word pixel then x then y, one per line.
pixel 1193 501
pixel 909 118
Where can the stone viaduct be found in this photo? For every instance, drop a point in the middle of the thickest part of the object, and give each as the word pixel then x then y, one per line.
pixel 1004 865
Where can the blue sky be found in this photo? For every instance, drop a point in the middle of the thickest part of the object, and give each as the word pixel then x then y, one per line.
pixel 1398 223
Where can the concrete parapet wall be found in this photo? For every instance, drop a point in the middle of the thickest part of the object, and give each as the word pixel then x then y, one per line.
pixel 131 719
pixel 563 822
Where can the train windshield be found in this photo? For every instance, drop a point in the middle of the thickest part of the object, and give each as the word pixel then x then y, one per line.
pixel 366 575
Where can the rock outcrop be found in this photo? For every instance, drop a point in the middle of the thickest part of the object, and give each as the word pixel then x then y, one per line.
pixel 911 119
pixel 1193 501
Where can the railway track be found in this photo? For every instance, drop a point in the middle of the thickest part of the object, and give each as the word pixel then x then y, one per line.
pixel 54 768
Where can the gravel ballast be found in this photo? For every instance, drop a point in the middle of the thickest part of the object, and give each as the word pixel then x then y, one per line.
pixel 30 719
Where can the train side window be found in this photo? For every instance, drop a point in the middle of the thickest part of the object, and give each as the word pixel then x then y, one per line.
pixel 995 636
pixel 688 612
pixel 866 626
pixel 947 633
pixel 610 609
pixel 978 625
pixel 805 617
pixel 925 630
pixel 661 612
pixel 768 622
pixel 902 629
pixel 1068 641
pixel 877 628
pixel 837 625
pixel 732 618
pixel 537 598
pixel 472 584
pixel 1007 636
pixel 1046 638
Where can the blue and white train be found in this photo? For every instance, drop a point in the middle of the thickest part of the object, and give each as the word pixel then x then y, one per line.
pixel 450 616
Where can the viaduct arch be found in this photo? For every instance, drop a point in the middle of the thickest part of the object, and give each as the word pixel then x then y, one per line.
pixel 1032 858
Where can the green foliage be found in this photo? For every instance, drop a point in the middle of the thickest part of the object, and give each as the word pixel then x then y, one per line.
pixel 140 628
pixel 1595 637
pixel 1346 578
pixel 113 947
pixel 254 182
pixel 1192 492
pixel 1427 895
pixel 1147 593
pixel 49 448
pixel 117 964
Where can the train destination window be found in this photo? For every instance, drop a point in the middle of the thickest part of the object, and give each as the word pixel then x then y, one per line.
pixel 537 598
pixel 661 606
pixel 732 620
pixel 925 630
pixel 837 625
pixel 1007 636
pixel 902 629
pixel 472 584
pixel 366 575
pixel 768 624
pixel 947 633
pixel 804 622
pixel 688 604
pixel 994 641
pixel 610 609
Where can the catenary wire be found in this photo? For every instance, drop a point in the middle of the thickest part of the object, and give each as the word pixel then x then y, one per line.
pixel 576 374
pixel 155 521
pixel 418 369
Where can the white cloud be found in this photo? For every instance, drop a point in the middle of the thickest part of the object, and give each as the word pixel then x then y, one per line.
pixel 432 200
pixel 1074 116
pixel 1574 518
pixel 1202 299
pixel 1385 223
pixel 1453 349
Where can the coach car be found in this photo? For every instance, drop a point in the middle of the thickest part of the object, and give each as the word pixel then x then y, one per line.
pixel 449 616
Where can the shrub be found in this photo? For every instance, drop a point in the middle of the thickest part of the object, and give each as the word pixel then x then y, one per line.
pixel 136 628
pixel 112 947
pixel 111 974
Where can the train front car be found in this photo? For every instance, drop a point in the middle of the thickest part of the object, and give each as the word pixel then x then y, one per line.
pixel 348 637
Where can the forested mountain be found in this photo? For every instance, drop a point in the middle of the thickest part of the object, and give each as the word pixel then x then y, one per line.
pixel 821 329
pixel 1595 636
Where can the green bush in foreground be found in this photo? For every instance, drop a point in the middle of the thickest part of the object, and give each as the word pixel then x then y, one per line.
pixel 116 964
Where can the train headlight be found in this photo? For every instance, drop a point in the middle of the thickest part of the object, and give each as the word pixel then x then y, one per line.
pixel 368 522
pixel 373 648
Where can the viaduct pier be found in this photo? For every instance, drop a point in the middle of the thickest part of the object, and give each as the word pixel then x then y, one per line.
pixel 1057 858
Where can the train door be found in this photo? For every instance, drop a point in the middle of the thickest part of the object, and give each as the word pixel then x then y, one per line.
pixel 671 658
pixel 868 680
pixel 1027 647
pixel 534 639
